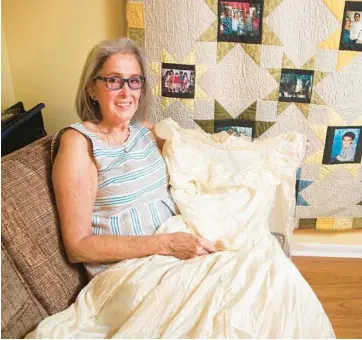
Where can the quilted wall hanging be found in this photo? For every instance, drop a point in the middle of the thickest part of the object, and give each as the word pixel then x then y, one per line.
pixel 262 67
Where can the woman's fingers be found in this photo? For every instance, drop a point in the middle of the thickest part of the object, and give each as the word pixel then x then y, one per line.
pixel 186 246
pixel 209 246
pixel 201 251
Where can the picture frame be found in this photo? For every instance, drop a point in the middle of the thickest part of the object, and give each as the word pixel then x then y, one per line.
pixel 296 85
pixel 236 127
pixel 351 34
pixel 178 80
pixel 240 21
pixel 343 145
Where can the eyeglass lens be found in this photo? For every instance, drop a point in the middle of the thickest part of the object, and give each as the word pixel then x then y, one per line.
pixel 115 83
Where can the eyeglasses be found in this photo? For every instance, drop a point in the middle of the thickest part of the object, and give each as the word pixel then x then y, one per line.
pixel 116 83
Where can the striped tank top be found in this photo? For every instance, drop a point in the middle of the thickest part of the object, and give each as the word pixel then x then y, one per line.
pixel 133 196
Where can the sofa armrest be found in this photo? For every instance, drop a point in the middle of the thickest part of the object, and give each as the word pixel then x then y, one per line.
pixel 20 310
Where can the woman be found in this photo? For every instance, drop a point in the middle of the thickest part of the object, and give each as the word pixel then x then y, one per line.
pixel 186 83
pixel 109 178
pixel 249 23
pixel 172 81
pixel 177 83
pixel 235 21
pixel 256 23
pixel 346 38
pixel 105 175
pixel 227 22
pixel 168 81
pixel 242 24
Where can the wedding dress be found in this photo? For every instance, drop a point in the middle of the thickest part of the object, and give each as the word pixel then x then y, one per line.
pixel 234 192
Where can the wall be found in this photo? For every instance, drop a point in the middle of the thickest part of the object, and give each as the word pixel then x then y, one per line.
pixel 47 44
pixel 7 88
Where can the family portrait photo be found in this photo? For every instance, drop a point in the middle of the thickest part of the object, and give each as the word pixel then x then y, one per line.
pixel 351 36
pixel 296 86
pixel 235 128
pixel 178 80
pixel 343 145
pixel 240 21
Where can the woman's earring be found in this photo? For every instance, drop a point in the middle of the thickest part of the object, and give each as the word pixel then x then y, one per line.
pixel 94 101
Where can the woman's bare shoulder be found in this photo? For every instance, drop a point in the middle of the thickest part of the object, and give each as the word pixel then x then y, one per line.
pixel 75 145
pixel 73 137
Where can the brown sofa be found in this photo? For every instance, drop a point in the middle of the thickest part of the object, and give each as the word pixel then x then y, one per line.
pixel 36 278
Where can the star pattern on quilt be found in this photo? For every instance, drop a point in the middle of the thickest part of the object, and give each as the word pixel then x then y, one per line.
pixel 246 116
pixel 347 103
pixel 307 15
pixel 315 99
pixel 300 186
pixel 245 70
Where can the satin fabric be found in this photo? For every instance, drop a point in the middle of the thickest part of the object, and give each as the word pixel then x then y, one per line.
pixel 233 192
pixel 225 185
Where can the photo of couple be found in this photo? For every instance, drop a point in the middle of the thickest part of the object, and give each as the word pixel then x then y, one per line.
pixel 351 36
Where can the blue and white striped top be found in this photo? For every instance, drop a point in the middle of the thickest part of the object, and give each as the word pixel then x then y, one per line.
pixel 133 196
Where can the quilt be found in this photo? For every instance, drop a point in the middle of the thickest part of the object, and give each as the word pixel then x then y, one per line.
pixel 262 67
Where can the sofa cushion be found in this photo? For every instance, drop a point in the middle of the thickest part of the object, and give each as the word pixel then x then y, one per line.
pixel 30 228
pixel 20 310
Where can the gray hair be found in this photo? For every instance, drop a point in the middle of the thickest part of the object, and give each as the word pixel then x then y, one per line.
pixel 87 109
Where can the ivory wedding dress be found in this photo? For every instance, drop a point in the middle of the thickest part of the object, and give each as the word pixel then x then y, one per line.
pixel 232 191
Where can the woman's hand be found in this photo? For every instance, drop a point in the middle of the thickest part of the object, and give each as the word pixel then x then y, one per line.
pixel 186 246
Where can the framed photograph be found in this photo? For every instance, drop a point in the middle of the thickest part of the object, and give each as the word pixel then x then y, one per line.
pixel 343 145
pixel 296 85
pixel 236 127
pixel 240 21
pixel 178 81
pixel 351 35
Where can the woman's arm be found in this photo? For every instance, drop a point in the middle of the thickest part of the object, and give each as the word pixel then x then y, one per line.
pixel 75 186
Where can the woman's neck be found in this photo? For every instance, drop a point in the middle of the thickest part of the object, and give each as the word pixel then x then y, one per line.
pixel 109 127
pixel 111 134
